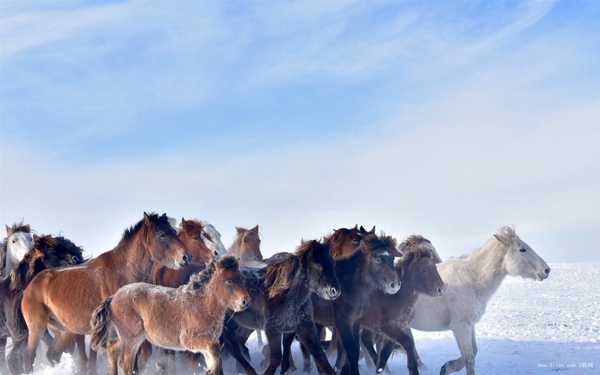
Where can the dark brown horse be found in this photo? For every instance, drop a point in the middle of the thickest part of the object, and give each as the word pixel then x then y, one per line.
pixel 367 269
pixel 51 297
pixel 192 315
pixel 391 314
pixel 47 252
pixel 281 302
pixel 246 246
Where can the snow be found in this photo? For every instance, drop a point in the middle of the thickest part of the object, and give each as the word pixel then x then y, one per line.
pixel 529 327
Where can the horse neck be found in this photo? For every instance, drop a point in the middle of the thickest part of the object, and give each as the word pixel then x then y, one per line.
pixel 488 270
pixel 351 273
pixel 136 256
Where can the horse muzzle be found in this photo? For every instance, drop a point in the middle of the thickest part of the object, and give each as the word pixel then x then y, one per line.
pixel 543 274
pixel 186 259
pixel 392 288
pixel 243 304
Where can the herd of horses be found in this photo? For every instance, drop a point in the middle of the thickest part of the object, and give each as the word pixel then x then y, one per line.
pixel 179 289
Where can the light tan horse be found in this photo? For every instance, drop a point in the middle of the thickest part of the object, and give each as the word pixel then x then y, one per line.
pixel 189 318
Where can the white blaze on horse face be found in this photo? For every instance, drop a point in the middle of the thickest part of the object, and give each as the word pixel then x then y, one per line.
pixel 214 242
pixel 522 261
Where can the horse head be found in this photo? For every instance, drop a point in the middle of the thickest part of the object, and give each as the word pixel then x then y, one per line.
pixel 418 269
pixel 230 285
pixel 519 257
pixel 18 241
pixel 212 239
pixel 319 266
pixel 344 241
pixel 162 241
pixel 191 234
pixel 248 245
pixel 379 269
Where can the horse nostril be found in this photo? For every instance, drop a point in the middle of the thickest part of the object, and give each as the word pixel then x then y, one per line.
pixel 186 258
pixel 244 302
pixel 333 291
pixel 216 253
pixel 547 270
pixel 393 285
pixel 439 290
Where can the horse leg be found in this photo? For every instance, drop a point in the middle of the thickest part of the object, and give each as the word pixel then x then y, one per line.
pixel 130 350
pixel 92 368
pixel 308 337
pixel 464 337
pixel 3 367
pixel 114 352
pixel 396 333
pixel 385 352
pixel 233 346
pixel 61 342
pixel 144 353
pixel 349 335
pixel 274 339
pixel 306 359
pixel 16 358
pixel 212 356
pixel 259 338
pixel 368 342
pixel 288 338
pixel 37 327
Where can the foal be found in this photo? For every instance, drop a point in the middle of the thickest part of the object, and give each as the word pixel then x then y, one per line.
pixel 192 316
pixel 470 283
pixel 391 314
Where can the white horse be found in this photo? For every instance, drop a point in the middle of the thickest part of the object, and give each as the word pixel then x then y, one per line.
pixel 212 239
pixel 17 243
pixel 470 283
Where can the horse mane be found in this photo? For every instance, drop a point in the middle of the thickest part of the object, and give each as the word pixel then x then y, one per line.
pixel 153 217
pixel 412 254
pixel 334 239
pixel 200 280
pixel 282 269
pixel 27 266
pixel 370 241
pixel 3 252
pixel 17 227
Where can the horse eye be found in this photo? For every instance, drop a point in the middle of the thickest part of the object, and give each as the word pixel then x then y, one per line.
pixel 228 282
pixel 196 238
pixel 378 260
pixel 162 235
pixel 523 250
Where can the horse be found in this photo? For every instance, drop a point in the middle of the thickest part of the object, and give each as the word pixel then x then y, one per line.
pixel 281 294
pixel 196 313
pixel 246 246
pixel 367 269
pixel 470 283
pixel 50 297
pixel 14 247
pixel 47 252
pixel 391 314
pixel 203 242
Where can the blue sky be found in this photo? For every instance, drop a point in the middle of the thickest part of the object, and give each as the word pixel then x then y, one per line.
pixel 448 119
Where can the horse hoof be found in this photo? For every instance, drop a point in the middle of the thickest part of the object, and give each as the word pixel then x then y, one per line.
pixel 443 370
pixel 379 371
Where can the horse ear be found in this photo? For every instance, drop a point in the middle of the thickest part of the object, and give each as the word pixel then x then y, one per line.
pixel 355 227
pixel 372 230
pixel 255 229
pixel 146 219
pixel 396 252
pixel 7 228
pixel 502 239
pixel 239 230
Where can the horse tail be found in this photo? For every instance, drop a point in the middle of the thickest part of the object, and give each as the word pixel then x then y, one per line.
pixel 16 322
pixel 100 326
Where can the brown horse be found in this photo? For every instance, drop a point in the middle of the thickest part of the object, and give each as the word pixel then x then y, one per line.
pixel 47 252
pixel 51 297
pixel 194 236
pixel 246 246
pixel 192 316
pixel 191 234
pixel 391 314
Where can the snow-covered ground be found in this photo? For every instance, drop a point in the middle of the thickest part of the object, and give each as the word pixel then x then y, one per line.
pixel 529 328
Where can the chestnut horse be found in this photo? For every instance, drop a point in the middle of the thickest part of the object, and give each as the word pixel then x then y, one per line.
pixel 246 246
pixel 391 314
pixel 47 252
pixel 65 299
pixel 191 317
pixel 281 303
